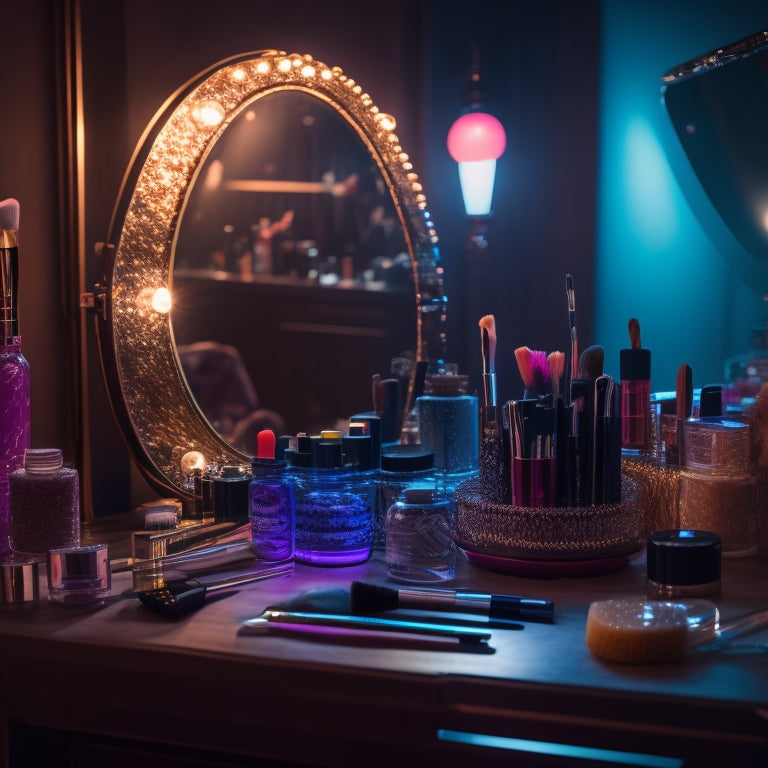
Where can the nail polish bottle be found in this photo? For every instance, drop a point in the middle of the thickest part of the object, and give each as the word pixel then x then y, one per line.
pixel 635 374
pixel 230 495
pixel 271 503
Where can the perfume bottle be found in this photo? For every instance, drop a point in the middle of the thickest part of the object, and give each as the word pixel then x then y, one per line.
pixel 14 368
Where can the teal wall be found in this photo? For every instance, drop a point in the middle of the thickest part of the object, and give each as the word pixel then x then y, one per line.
pixel 663 254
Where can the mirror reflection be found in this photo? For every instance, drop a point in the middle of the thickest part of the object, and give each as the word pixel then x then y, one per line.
pixel 283 328
pixel 289 213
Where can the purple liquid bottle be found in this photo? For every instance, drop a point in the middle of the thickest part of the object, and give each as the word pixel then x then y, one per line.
pixel 14 368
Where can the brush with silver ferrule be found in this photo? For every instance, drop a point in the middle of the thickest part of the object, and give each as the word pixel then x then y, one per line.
pixel 373 598
pixel 488 348
pixel 9 268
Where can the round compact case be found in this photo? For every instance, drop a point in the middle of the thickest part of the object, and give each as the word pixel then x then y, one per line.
pixel 549 541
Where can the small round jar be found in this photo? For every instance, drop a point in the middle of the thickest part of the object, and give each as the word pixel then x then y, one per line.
pixel 420 544
pixel 79 575
pixel 402 467
pixel 682 563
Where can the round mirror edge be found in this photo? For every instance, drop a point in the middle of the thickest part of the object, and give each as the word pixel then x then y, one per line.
pixel 163 471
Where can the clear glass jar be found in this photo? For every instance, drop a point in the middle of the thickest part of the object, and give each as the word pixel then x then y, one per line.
pixel 420 544
pixel 402 467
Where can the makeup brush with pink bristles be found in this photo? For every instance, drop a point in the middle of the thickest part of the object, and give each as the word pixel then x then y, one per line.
pixel 534 371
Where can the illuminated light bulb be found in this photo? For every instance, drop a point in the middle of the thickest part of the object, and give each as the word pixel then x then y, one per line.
pixel 284 65
pixel 161 301
pixel 208 113
pixel 387 122
pixel 238 74
pixel 326 74
pixel 263 67
pixel 191 461
pixel 476 141
pixel 308 71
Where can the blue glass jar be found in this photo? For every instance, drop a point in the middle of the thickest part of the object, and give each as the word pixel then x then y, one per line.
pixel 334 504
pixel 449 423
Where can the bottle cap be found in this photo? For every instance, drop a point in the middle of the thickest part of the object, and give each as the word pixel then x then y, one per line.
pixel 43 460
pixel 683 557
pixel 406 458
pixel 635 364
pixel 420 495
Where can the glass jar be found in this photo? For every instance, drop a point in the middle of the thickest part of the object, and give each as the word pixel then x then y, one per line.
pixel 334 516
pixel 402 467
pixel 420 544
pixel 44 504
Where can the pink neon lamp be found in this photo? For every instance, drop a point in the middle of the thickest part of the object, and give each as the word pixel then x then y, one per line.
pixel 476 141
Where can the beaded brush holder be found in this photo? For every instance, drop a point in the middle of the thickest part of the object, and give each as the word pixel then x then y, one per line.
pixel 549 541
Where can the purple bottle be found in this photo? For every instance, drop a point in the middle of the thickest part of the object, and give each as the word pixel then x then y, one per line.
pixel 14 368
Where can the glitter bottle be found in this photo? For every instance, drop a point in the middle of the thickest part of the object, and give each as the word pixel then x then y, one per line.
pixel 271 503
pixel 44 504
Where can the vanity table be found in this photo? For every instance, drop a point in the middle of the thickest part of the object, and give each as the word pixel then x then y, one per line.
pixel 124 686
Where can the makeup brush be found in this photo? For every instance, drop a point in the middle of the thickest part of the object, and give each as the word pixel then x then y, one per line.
pixel 574 372
pixel 488 346
pixel 373 598
pixel 180 597
pixel 9 275
pixel 591 362
pixel 556 363
pixel 534 371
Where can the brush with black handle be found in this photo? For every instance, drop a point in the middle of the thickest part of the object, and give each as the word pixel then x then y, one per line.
pixel 374 598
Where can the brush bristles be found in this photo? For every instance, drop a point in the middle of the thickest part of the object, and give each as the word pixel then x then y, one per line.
pixel 556 363
pixel 9 214
pixel 488 342
pixel 634 333
pixel 372 598
pixel 523 356
pixel 591 362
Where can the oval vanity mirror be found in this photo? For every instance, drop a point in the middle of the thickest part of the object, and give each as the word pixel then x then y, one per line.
pixel 225 246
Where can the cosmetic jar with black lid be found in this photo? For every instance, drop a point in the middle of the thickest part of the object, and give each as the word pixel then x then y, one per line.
pixel 402 467
pixel 683 563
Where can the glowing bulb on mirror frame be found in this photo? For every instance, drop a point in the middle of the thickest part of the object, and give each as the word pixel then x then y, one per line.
pixel 208 113
pixel 161 301
pixel 191 461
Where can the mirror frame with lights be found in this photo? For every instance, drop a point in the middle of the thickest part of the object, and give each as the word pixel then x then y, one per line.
pixel 158 416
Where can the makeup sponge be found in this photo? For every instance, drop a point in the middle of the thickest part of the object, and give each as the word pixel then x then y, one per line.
pixel 637 631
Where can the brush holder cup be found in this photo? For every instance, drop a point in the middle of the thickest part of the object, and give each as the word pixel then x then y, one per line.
pixel 549 541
